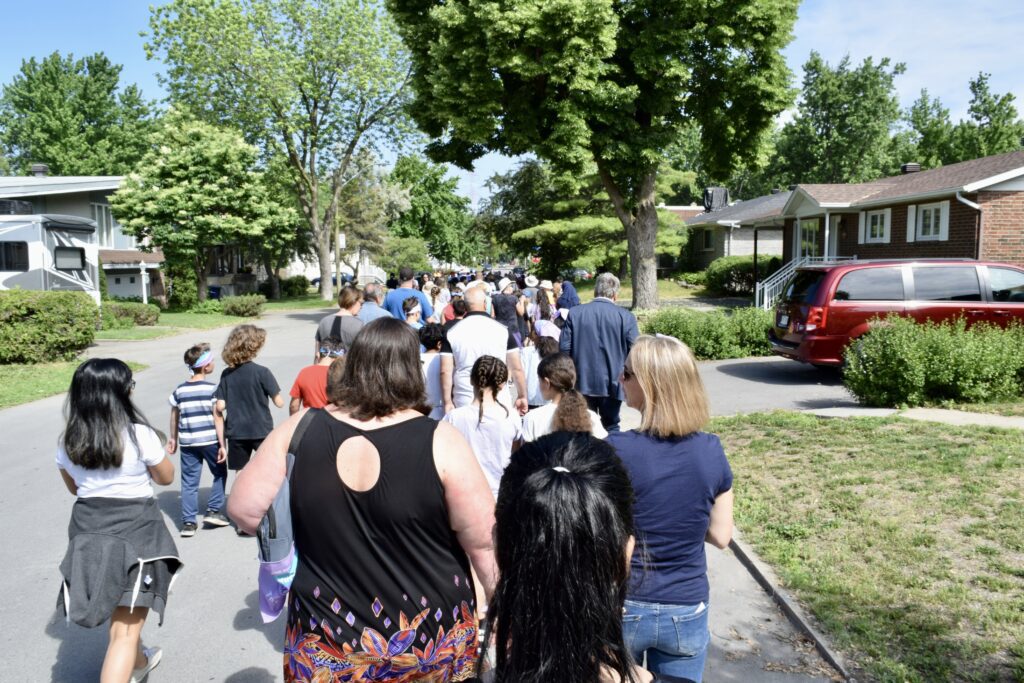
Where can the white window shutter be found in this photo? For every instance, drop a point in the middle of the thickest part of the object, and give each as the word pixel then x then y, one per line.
pixel 888 224
pixel 860 228
pixel 911 223
pixel 944 222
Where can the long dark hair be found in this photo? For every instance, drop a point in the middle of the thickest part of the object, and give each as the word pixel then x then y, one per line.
pixel 560 541
pixel 383 373
pixel 572 414
pixel 98 410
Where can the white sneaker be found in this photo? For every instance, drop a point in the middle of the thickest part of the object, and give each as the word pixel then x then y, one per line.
pixel 153 656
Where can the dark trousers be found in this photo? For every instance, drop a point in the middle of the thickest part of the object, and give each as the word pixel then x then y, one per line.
pixel 607 407
pixel 240 450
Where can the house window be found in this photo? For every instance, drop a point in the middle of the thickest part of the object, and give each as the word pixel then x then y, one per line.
pixel 929 222
pixel 117 280
pixel 131 280
pixel 708 243
pixel 14 256
pixel 809 237
pixel 876 228
pixel 109 230
pixel 69 258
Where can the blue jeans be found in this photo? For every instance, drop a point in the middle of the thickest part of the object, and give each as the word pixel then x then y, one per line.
pixel 674 637
pixel 192 458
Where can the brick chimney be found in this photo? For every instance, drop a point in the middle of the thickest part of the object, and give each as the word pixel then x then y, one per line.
pixel 40 170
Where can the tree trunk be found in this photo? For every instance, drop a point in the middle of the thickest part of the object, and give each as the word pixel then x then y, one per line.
pixel 272 277
pixel 623 267
pixel 201 263
pixel 642 238
pixel 324 254
pixel 641 228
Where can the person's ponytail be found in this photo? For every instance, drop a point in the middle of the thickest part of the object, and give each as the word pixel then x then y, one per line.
pixel 572 413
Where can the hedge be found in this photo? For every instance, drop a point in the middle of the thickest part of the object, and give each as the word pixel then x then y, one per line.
pixel 131 313
pixel 247 305
pixel 715 335
pixel 38 327
pixel 901 362
pixel 734 275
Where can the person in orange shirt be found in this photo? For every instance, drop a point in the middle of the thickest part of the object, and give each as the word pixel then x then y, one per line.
pixel 310 387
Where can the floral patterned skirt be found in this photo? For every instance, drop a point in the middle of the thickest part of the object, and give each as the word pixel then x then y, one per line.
pixel 407 655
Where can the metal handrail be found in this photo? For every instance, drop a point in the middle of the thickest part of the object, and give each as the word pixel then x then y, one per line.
pixel 767 292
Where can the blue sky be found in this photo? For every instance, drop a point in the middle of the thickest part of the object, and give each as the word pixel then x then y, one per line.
pixel 943 43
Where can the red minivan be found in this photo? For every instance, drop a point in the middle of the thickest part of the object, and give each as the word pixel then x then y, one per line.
pixel 825 306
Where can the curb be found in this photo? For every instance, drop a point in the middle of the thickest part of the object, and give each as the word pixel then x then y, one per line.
pixel 765 576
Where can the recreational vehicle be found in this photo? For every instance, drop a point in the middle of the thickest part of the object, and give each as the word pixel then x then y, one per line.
pixel 49 252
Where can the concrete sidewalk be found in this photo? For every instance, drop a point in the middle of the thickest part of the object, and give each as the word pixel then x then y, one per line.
pixel 957 418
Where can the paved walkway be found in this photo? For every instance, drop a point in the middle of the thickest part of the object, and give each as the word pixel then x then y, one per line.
pixel 958 418
pixel 213 631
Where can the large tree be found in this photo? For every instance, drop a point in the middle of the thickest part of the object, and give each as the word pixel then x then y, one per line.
pixel 437 213
pixel 843 128
pixel 73 115
pixel 315 80
pixel 198 187
pixel 992 125
pixel 597 85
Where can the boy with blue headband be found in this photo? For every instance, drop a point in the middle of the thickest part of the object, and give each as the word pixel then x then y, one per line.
pixel 201 440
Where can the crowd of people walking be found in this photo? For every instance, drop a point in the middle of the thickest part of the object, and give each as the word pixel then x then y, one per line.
pixel 463 505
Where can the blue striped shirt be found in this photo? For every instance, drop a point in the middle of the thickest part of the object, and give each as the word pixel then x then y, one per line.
pixel 194 401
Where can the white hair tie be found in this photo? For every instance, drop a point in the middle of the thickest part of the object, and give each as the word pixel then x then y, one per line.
pixel 560 469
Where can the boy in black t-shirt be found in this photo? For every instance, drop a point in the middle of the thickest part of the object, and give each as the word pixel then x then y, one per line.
pixel 242 395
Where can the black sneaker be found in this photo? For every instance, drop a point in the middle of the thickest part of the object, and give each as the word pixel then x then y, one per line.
pixel 188 529
pixel 215 518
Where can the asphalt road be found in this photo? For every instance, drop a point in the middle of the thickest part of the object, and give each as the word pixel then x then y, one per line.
pixel 213 630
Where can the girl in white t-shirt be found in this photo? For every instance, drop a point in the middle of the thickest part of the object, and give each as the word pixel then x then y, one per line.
pixel 567 410
pixel 493 431
pixel 431 336
pixel 108 457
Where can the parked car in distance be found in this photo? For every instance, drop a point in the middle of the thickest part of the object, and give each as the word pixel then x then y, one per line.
pixel 825 306
pixel 345 279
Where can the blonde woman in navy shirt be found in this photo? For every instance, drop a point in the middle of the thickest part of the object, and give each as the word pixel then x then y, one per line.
pixel 683 487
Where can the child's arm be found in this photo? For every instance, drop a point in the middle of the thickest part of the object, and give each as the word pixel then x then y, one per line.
pixel 172 432
pixel 294 406
pixel 278 400
pixel 218 424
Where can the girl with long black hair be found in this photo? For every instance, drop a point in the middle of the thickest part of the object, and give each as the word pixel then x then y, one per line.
pixel 121 559
pixel 563 540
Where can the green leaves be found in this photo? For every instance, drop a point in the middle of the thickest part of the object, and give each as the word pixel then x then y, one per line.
pixel 74 116
pixel 436 213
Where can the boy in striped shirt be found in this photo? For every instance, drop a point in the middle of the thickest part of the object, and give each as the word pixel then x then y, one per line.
pixel 201 439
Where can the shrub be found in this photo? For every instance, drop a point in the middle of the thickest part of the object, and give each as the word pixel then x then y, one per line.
pixel 184 291
pixel 247 305
pixel 38 327
pixel 208 307
pixel 132 313
pixel 697 279
pixel 734 275
pixel 903 363
pixel 715 335
pixel 297 285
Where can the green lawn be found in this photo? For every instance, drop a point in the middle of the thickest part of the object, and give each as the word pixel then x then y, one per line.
pixel 138 333
pixel 667 290
pixel 905 539
pixel 1010 409
pixel 311 300
pixel 24 383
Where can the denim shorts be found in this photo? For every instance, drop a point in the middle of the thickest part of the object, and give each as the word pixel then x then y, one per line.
pixel 674 638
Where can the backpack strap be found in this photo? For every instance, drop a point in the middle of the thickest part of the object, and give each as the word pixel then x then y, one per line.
pixel 300 431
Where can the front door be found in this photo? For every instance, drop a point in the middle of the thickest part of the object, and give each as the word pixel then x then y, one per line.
pixel 807 237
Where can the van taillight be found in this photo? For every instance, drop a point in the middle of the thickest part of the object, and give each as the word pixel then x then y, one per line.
pixel 815 318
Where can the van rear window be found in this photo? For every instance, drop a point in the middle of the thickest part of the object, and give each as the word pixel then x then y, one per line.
pixel 804 285
pixel 871 284
pixel 947 283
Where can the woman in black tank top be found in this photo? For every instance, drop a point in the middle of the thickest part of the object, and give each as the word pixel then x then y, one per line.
pixel 389 509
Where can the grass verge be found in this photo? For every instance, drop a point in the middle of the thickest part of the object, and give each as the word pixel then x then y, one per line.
pixel 1009 409
pixel 306 301
pixel 905 539
pixel 667 290
pixel 24 383
pixel 137 333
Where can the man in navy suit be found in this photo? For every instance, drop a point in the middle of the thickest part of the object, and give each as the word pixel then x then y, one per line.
pixel 598 336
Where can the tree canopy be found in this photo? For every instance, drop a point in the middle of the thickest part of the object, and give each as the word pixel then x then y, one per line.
pixel 437 214
pixel 314 80
pixel 73 115
pixel 198 187
pixel 596 85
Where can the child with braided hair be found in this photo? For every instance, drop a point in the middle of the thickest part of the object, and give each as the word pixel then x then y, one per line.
pixel 493 431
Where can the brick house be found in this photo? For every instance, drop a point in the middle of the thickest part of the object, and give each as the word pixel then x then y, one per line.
pixel 974 209
pixel 745 228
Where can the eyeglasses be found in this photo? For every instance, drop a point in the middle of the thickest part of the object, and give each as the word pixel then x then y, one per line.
pixel 627 373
